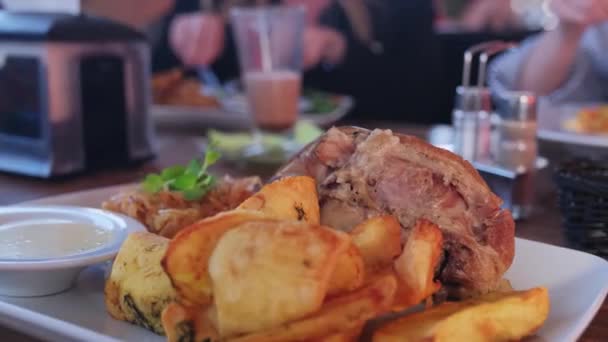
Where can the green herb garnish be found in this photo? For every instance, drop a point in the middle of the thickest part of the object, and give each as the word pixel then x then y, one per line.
pixel 320 102
pixel 192 181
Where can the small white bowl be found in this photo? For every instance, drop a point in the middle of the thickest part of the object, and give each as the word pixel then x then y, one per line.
pixel 45 276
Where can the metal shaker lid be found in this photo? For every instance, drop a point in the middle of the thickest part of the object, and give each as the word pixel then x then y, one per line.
pixel 473 99
pixel 517 106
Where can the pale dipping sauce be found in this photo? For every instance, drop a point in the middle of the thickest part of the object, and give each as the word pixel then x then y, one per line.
pixel 42 239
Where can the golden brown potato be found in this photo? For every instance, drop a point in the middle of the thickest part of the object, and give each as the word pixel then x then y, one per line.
pixel 267 273
pixel 349 273
pixel 338 315
pixel 504 286
pixel 187 258
pixel 183 323
pixel 138 289
pixel 415 267
pixel 289 198
pixel 495 317
pixel 378 240
pixel 347 336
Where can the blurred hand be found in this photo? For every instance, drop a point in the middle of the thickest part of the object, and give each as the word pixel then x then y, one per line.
pixel 494 14
pixel 314 8
pixel 577 15
pixel 197 39
pixel 136 13
pixel 322 45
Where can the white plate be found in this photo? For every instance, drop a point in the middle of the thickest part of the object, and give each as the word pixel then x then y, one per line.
pixel 577 282
pixel 218 117
pixel 573 138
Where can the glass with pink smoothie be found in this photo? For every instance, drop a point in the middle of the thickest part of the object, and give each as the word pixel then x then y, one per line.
pixel 269 45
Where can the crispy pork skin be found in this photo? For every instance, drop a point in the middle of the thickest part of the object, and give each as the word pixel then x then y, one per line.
pixel 362 173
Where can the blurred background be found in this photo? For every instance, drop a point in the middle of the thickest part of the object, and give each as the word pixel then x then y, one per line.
pixel 399 60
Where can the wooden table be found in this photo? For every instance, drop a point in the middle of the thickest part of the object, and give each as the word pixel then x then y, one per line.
pixel 179 146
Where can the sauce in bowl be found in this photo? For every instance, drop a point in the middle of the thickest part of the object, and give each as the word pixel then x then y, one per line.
pixel 49 238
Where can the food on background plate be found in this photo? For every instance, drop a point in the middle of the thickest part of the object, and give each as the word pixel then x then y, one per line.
pixel 362 174
pixel 234 146
pixel 181 195
pixel 272 269
pixel 321 102
pixel 494 317
pixel 174 88
pixel 592 120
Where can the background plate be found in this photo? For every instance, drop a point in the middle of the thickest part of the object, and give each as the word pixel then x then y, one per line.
pixel 551 124
pixel 221 118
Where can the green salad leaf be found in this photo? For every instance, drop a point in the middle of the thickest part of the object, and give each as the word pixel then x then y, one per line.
pixel 192 180
pixel 320 102
pixel 152 183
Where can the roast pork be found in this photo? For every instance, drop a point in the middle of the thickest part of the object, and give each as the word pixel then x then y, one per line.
pixel 362 173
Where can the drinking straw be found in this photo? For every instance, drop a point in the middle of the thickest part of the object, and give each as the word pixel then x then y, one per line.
pixel 264 41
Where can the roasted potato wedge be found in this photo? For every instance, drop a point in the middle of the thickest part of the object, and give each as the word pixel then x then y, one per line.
pixel 347 336
pixel 187 258
pixel 495 317
pixel 289 198
pixel 349 273
pixel 351 335
pixel 378 240
pixel 138 289
pixel 341 314
pixel 415 267
pixel 267 273
pixel 183 323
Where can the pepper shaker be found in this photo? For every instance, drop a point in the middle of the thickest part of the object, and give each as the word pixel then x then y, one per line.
pixel 516 128
pixel 517 148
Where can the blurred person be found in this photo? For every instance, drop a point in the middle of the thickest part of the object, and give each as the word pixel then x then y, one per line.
pixel 135 13
pixel 567 64
pixel 383 52
pixel 139 14
pixel 199 38
pixel 477 15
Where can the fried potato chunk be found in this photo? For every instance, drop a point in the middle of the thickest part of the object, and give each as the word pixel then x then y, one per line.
pixel 494 317
pixel 347 336
pixel 138 289
pixel 339 315
pixel 378 240
pixel 182 323
pixel 415 267
pixel 187 258
pixel 267 273
pixel 349 273
pixel 289 198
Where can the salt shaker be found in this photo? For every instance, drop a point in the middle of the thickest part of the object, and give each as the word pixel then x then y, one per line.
pixel 472 113
pixel 471 121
